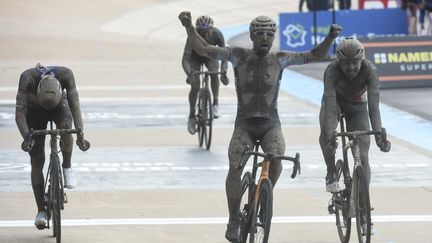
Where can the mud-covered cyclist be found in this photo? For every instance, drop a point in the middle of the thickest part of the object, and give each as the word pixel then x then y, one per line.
pixel 258 74
pixel 44 94
pixel 192 61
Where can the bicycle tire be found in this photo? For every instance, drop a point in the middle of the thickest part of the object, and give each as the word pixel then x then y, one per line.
pixel 208 119
pixel 199 118
pixel 341 206
pixel 362 206
pixel 247 186
pixel 56 199
pixel 262 214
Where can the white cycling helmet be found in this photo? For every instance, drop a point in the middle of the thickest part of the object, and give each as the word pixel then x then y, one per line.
pixel 49 92
pixel 204 22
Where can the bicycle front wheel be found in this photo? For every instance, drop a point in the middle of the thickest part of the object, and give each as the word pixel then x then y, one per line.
pixel 262 214
pixel 362 206
pixel 341 206
pixel 56 197
pixel 199 117
pixel 208 119
pixel 247 186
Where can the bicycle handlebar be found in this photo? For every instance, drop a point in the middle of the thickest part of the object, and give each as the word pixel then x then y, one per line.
pixel 84 145
pixel 359 133
pixel 270 157
pixel 208 72
pixel 53 132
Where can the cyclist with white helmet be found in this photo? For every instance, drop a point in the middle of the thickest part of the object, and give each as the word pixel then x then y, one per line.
pixel 192 61
pixel 257 72
pixel 351 87
pixel 44 94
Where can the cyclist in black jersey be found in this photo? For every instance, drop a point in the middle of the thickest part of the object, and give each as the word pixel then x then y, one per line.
pixel 44 94
pixel 351 86
pixel 258 72
pixel 192 61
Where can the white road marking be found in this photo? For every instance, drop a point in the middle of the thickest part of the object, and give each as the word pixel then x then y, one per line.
pixel 114 115
pixel 211 220
pixel 115 87
pixel 140 99
pixel 169 166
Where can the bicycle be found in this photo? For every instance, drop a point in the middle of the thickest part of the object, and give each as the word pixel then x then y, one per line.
pixel 257 197
pixel 354 198
pixel 55 197
pixel 204 109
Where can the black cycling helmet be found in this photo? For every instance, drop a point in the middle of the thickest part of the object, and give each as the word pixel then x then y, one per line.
pixel 350 49
pixel 262 23
pixel 204 22
pixel 49 92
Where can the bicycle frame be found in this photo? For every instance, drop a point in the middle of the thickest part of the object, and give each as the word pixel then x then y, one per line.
pixel 354 200
pixel 249 214
pixel 204 108
pixel 53 186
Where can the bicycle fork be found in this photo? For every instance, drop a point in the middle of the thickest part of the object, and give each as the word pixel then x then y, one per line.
pixel 264 174
pixel 355 149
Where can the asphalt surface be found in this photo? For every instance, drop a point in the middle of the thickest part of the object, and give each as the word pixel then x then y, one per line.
pixel 145 179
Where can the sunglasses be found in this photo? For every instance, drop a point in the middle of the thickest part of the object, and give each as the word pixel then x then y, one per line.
pixel 262 33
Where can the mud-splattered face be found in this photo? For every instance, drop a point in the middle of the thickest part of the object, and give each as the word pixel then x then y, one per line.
pixel 262 41
pixel 351 68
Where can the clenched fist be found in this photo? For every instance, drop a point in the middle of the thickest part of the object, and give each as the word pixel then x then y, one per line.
pixel 185 18
pixel 334 31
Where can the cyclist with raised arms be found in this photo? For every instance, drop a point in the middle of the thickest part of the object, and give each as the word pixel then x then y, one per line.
pixel 258 73
pixel 192 61
pixel 44 94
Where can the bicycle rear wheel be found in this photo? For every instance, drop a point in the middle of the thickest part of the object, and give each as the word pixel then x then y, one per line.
pixel 362 206
pixel 262 214
pixel 199 117
pixel 56 196
pixel 341 206
pixel 207 119
pixel 245 205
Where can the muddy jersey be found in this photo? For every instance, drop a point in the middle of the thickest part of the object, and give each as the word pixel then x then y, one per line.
pixel 257 78
pixel 356 90
pixel 215 38
pixel 27 93
pixel 338 89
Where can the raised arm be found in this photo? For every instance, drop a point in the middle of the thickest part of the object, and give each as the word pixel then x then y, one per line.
pixel 319 51
pixel 199 44
pixel 287 58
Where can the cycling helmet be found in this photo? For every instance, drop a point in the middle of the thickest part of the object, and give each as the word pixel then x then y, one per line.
pixel 49 92
pixel 350 49
pixel 262 23
pixel 204 22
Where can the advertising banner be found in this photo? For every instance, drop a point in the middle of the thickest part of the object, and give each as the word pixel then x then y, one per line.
pixel 296 30
pixel 404 61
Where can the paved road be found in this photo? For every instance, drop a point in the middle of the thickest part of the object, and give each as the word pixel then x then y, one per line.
pixel 145 179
